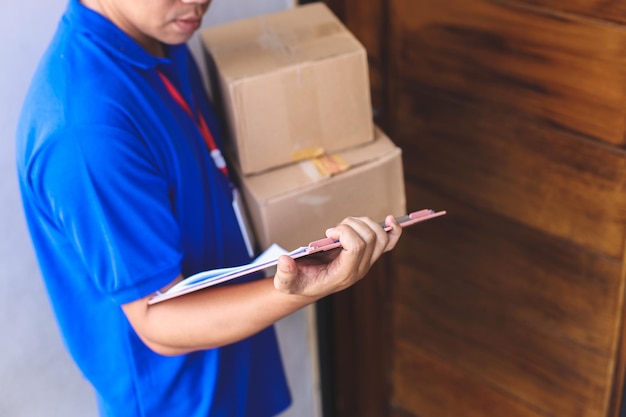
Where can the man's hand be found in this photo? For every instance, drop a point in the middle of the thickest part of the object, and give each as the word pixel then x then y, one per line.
pixel 363 241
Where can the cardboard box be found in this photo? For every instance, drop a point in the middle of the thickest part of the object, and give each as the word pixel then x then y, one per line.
pixel 294 205
pixel 292 85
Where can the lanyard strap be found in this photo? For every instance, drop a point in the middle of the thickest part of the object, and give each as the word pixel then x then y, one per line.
pixel 197 117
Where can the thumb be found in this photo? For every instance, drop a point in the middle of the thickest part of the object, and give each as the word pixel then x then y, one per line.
pixel 286 277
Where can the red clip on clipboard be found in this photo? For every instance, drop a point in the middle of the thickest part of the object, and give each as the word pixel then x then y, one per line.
pixel 270 258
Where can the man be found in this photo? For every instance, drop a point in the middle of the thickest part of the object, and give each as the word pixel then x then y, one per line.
pixel 123 199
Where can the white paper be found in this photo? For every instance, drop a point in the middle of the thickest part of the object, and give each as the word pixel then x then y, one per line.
pixel 267 259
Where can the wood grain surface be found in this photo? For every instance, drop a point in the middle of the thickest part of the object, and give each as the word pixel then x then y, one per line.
pixel 512 309
pixel 510 115
pixel 566 71
pixel 612 11
pixel 512 164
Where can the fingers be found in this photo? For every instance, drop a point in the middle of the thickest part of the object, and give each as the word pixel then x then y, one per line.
pixel 364 226
pixel 363 241
pixel 366 239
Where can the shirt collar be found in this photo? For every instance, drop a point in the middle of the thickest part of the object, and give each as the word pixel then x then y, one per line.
pixel 113 39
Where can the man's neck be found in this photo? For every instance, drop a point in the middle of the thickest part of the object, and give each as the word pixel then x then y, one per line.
pixel 108 10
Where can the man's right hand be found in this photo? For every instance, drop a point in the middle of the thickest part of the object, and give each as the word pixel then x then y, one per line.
pixel 362 240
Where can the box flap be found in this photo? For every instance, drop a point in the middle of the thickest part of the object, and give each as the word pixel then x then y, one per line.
pixel 277 40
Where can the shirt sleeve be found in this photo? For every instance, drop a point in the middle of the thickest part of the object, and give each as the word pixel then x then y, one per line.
pixel 109 195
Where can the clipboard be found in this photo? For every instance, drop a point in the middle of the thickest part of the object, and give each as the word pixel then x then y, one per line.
pixel 269 259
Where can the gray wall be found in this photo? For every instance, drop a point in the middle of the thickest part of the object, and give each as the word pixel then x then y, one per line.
pixel 37 377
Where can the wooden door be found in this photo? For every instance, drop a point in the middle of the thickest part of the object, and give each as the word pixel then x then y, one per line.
pixel 510 115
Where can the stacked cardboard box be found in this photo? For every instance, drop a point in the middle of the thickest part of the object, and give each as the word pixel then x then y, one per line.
pixel 293 87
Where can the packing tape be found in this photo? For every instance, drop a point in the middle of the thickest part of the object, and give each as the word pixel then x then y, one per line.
pixel 307 153
pixel 330 164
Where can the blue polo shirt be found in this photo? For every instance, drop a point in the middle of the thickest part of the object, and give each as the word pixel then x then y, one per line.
pixel 120 196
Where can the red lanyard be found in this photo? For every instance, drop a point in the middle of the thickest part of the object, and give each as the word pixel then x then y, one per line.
pixel 218 159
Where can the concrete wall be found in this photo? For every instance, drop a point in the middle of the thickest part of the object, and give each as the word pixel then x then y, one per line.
pixel 37 377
